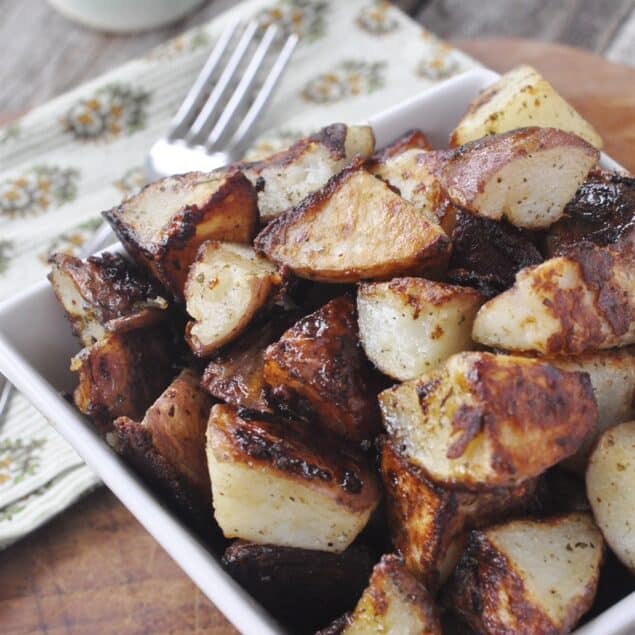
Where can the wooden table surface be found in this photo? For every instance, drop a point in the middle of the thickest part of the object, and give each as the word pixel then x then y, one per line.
pixel 94 569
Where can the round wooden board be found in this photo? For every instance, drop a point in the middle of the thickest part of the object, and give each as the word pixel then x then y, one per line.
pixel 94 569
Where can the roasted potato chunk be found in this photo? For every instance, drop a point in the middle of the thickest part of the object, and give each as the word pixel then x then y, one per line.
pixel 568 305
pixel 105 294
pixel 236 375
pixel 408 326
pixel 354 228
pixel 163 226
pixel 301 588
pixel 275 483
pixel 528 577
pixel 317 371
pixel 609 480
pixel 526 176
pixel 122 374
pixel 227 285
pixel 284 179
pixel 413 139
pixel 488 253
pixel 394 602
pixel 168 446
pixel 601 212
pixel 521 97
pixel 428 521
pixel 483 421
pixel 612 375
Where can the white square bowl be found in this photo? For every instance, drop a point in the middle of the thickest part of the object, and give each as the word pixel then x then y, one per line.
pixel 36 345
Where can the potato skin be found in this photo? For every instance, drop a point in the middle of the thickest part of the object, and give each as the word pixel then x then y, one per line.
pixel 333 235
pixel 425 519
pixel 487 589
pixel 317 371
pixel 122 374
pixel 168 447
pixel 111 295
pixel 484 421
pixel 489 253
pixel 236 375
pixel 601 212
pixel 302 588
pixel 230 213
pixel 413 139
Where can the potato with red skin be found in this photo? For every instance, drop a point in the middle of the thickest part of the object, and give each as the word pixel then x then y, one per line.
pixel 483 421
pixel 167 447
pixel 105 294
pixel 394 602
pixel 276 482
pixel 122 374
pixel 581 301
pixel 526 176
pixel 531 577
pixel 428 522
pixel 163 226
pixel 354 228
pixel 282 180
pixel 317 371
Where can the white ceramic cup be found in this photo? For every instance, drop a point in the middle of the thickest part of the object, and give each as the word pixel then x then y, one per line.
pixel 124 16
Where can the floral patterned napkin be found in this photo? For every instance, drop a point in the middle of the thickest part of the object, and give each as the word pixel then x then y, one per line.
pixel 64 162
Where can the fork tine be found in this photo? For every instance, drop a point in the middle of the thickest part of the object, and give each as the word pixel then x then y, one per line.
pixel 243 87
pixel 5 391
pixel 222 83
pixel 196 92
pixel 265 93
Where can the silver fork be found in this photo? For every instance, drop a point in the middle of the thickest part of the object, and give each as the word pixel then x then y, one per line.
pixel 206 132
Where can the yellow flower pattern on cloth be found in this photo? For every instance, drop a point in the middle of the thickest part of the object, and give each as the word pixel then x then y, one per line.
pixel 111 111
pixel 35 190
pixel 306 18
pixel 377 18
pixel 347 79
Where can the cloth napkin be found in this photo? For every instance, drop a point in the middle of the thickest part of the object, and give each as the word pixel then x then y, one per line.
pixel 66 161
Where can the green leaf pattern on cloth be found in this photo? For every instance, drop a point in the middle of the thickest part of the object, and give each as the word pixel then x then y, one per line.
pixel 66 161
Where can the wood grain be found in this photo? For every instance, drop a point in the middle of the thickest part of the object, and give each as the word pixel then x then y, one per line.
pixel 94 569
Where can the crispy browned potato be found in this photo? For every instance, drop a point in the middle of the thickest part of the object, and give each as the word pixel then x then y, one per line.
pixel 427 522
pixel 578 302
pixel 236 375
pixel 528 577
pixel 526 176
pixel 352 229
pixel 521 97
pixel 612 375
pixel 487 254
pixel 163 226
pixel 483 421
pixel 105 294
pixel 122 374
pixel 276 483
pixel 610 481
pixel 318 372
pixel 393 602
pixel 227 286
pixel 601 211
pixel 284 179
pixel 301 588
pixel 408 326
pixel 168 446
